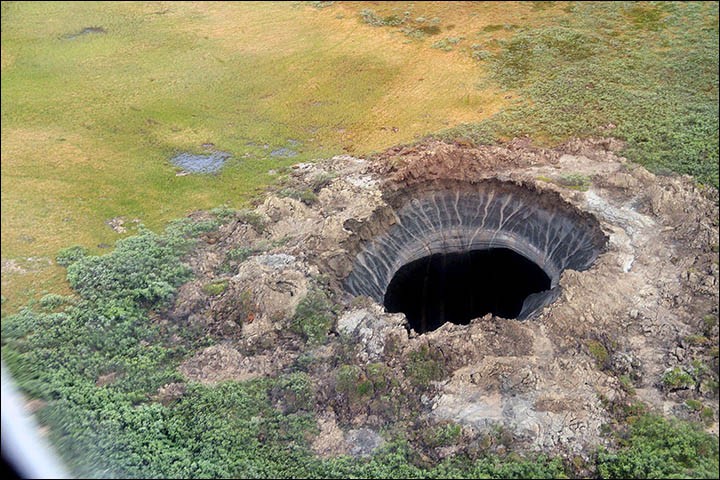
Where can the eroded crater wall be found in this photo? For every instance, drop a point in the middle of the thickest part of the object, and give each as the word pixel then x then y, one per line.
pixel 455 217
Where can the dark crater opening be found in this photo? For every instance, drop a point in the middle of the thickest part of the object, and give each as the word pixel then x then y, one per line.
pixel 454 251
pixel 458 287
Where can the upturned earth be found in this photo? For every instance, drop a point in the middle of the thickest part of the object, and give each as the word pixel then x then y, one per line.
pixel 617 332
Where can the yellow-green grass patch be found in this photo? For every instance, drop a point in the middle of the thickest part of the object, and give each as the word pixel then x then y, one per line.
pixel 89 123
pixel 97 97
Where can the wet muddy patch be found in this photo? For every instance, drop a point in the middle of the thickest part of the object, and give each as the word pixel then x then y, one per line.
pixel 199 163
pixel 85 31
pixel 283 152
pixel 287 151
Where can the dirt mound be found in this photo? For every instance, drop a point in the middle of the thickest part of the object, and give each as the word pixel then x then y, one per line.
pixel 623 330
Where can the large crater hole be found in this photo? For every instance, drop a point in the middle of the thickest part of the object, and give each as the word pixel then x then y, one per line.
pixel 458 287
pixel 452 251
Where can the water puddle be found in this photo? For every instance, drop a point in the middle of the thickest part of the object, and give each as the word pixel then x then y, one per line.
pixel 85 31
pixel 287 151
pixel 195 163
pixel 283 153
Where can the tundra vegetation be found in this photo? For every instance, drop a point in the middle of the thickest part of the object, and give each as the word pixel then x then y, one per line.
pixel 98 97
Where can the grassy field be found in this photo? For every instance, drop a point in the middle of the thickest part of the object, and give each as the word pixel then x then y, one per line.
pixel 90 121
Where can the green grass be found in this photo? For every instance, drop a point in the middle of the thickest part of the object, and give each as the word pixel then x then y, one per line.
pixel 150 87
pixel 647 74
pixel 89 123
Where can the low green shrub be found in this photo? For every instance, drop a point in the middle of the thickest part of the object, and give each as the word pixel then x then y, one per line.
pixel 350 380
pixel 442 435
pixel 252 218
pixel 240 254
pixel 293 393
pixel 306 196
pixel 574 181
pixel 424 366
pixel 69 255
pixel 321 180
pixel 446 44
pixel 677 378
pixel 707 415
pixel 52 301
pixel 143 268
pixel 371 18
pixel 215 288
pixel 599 353
pixel 313 317
pixel 627 384
pixel 659 448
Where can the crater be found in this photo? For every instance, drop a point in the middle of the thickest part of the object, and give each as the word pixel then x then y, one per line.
pixel 455 251
pixel 438 232
pixel 458 287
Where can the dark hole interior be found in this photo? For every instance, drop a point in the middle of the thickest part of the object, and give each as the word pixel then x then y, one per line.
pixel 457 287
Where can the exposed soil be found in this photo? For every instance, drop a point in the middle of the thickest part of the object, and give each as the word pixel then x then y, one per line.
pixel 648 304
